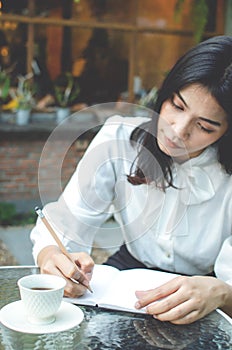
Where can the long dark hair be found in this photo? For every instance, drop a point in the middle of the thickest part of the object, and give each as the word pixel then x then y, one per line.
pixel 209 64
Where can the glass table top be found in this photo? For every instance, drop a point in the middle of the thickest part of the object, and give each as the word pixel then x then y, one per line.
pixel 111 330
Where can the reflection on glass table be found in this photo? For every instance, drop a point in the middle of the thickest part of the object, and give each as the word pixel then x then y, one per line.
pixel 111 330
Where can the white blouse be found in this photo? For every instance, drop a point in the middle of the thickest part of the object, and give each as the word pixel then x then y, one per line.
pixel 185 230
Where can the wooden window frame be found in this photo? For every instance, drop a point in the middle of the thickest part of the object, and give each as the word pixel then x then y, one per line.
pixel 132 29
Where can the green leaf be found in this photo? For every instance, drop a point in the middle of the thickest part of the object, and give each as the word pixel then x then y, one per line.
pixel 198 13
pixel 66 93
pixel 178 10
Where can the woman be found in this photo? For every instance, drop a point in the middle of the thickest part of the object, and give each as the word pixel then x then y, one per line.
pixel 171 194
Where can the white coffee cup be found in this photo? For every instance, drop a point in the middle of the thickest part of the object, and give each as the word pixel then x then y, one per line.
pixel 41 296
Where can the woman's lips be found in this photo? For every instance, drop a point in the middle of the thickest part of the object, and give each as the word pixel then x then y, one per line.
pixel 170 144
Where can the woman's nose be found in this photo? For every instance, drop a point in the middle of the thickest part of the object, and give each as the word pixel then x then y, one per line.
pixel 182 130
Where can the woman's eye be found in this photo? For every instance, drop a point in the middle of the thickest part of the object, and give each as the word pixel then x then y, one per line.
pixel 209 131
pixel 176 105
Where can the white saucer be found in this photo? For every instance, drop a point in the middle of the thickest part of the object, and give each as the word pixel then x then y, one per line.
pixel 13 316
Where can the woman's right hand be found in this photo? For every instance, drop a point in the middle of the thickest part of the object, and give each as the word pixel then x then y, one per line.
pixel 52 261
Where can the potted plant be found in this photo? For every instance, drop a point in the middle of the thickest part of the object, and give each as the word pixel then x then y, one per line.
pixel 66 91
pixel 24 95
pixel 4 87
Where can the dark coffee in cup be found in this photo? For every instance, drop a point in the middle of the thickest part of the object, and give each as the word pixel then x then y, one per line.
pixel 41 288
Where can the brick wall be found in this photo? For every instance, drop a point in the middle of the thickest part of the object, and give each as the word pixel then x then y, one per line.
pixel 19 159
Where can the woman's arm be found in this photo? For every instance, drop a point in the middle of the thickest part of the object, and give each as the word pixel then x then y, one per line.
pixel 186 299
pixel 83 206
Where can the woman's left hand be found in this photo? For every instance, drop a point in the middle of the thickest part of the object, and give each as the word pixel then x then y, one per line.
pixel 184 299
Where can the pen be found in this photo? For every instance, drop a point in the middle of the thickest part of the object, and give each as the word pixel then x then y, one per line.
pixel 60 244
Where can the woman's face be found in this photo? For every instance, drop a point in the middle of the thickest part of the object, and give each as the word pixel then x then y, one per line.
pixel 190 121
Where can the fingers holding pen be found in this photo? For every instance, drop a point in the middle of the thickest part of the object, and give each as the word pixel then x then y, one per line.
pixel 52 261
pixel 84 262
pixel 72 289
pixel 77 271
pixel 82 269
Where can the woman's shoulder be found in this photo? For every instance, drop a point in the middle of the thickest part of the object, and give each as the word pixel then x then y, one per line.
pixel 123 125
pixel 125 120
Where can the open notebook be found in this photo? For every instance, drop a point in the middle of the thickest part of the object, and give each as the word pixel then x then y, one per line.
pixel 114 289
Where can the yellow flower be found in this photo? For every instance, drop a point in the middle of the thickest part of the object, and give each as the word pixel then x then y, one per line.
pixel 12 104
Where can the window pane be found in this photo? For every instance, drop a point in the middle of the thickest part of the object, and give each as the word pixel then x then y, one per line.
pixel 157 53
pixel 100 59
pixel 43 8
pixel 105 10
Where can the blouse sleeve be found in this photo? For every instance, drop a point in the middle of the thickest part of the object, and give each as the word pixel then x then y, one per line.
pixel 223 265
pixel 87 199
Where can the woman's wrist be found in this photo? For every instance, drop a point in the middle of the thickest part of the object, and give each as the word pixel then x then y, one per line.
pixel 226 302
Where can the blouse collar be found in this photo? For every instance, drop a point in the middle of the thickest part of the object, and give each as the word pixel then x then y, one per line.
pixel 194 178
